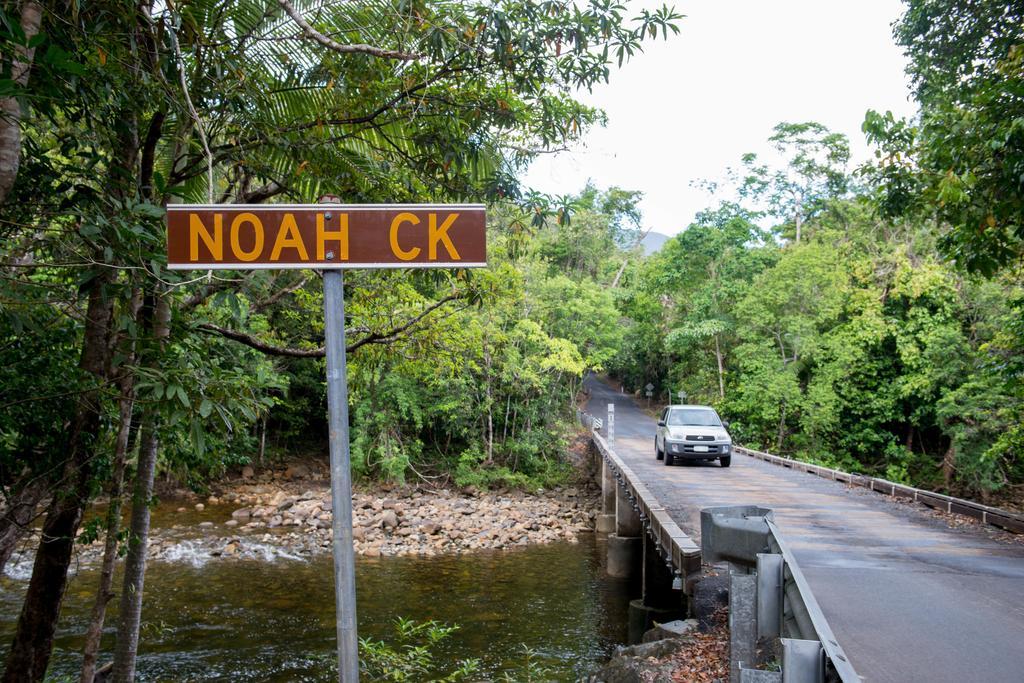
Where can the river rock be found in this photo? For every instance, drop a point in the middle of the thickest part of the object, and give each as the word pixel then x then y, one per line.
pixel 200 507
pixel 389 519
pixel 670 629
pixel 297 471
pixel 248 472
pixel 242 514
pixel 231 522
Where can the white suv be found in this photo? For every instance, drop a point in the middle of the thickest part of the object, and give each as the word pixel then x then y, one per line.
pixel 692 433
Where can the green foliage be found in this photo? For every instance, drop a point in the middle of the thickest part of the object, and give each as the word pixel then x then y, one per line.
pixel 482 389
pixel 230 102
pixel 411 655
pixel 963 161
pixel 861 347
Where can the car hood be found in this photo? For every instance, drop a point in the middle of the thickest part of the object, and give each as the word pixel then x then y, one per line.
pixel 681 432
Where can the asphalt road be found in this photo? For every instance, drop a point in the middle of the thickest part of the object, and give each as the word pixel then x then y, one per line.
pixel 909 598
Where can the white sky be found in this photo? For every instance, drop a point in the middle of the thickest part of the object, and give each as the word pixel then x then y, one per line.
pixel 687 108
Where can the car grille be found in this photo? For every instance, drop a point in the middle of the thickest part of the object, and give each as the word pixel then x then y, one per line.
pixel 711 450
pixel 690 447
pixel 691 437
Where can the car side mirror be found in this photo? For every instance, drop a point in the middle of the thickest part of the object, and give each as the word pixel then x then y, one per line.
pixel 661 423
pixel 725 423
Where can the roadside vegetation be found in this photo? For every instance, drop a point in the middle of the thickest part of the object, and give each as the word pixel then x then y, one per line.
pixel 866 318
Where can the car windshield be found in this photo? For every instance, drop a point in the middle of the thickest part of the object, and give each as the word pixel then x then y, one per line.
pixel 694 417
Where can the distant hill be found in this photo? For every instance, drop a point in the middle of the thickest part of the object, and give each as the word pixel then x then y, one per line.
pixel 654 242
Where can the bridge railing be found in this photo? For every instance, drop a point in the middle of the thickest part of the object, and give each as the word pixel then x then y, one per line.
pixel 774 605
pixel 587 420
pixel 984 513
pixel 670 541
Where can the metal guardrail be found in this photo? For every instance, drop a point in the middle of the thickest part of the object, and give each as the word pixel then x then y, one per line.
pixel 786 608
pixel 589 421
pixel 987 515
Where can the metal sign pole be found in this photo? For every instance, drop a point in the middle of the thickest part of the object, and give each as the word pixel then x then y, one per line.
pixel 341 478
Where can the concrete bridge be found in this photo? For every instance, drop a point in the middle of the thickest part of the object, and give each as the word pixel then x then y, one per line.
pixel 908 596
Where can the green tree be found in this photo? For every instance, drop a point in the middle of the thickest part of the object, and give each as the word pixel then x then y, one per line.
pixel 963 161
pixel 813 174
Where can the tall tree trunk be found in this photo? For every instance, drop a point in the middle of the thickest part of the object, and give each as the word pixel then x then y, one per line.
pixel 799 226
pixel 261 453
pixel 33 641
pixel 625 261
pixel 948 466
pixel 135 562
pixel 104 595
pixel 21 509
pixel 782 430
pixel 721 368
pixel 490 405
pixel 10 108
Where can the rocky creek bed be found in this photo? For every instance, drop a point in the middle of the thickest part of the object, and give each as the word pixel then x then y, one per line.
pixel 288 514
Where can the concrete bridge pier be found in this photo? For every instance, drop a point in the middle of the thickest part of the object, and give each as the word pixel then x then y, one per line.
pixel 659 602
pixel 625 545
pixel 605 523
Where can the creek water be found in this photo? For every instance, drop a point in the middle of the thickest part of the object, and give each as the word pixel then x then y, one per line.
pixel 272 619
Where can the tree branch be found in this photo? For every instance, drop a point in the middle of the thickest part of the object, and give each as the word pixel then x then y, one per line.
pixel 371 338
pixel 276 296
pixel 330 44
pixel 263 193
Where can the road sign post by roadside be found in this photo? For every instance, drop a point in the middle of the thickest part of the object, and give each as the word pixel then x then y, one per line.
pixel 611 422
pixel 330 237
pixel 649 390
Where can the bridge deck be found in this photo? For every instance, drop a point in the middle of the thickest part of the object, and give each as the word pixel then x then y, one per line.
pixel 909 598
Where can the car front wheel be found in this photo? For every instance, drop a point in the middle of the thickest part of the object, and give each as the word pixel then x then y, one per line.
pixel 725 460
pixel 658 455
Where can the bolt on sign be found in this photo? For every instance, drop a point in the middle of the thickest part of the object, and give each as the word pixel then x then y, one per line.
pixel 325 236
pixel 330 237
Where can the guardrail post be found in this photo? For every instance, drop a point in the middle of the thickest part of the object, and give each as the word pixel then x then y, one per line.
pixel 742 623
pixel 758 676
pixel 803 661
pixel 769 595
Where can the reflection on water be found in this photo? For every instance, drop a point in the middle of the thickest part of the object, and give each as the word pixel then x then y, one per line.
pixel 251 620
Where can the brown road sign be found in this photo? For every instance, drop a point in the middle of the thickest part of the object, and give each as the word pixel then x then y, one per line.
pixel 325 236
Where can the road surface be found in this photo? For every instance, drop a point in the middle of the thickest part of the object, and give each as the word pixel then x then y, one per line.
pixel 909 598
